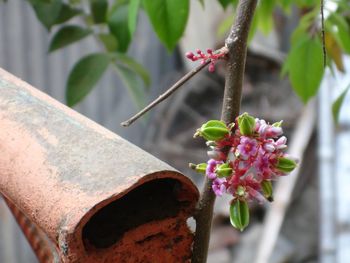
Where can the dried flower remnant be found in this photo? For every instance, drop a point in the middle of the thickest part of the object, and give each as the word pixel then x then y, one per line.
pixel 245 157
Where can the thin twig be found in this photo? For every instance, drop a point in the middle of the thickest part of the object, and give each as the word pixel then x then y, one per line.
pixel 323 35
pixel 166 94
pixel 236 43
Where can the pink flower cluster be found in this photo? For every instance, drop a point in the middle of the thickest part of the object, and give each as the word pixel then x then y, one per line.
pixel 252 159
pixel 211 55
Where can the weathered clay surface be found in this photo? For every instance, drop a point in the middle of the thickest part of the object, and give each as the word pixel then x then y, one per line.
pixel 59 168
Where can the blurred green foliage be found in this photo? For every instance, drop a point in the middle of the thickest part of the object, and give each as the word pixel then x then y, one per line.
pixel 113 24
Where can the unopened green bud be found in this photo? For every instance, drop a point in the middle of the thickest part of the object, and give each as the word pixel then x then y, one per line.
pixel 286 165
pixel 266 187
pixel 213 130
pixel 277 124
pixel 199 168
pixel 239 214
pixel 223 170
pixel 240 191
pixel 246 124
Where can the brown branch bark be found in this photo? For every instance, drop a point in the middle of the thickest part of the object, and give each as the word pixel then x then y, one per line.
pixel 166 94
pixel 236 42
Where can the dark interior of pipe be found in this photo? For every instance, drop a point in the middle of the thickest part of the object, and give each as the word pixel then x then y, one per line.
pixel 153 200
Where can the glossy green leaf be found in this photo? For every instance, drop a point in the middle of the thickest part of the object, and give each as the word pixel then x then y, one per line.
pixel 118 25
pixel 109 41
pixel 99 10
pixel 36 1
pixel 265 15
pixel 306 3
pixel 239 214
pixel 253 27
pixel 84 76
pixel 334 50
pixel 68 35
pixel 305 66
pixel 304 25
pixel 134 66
pixel 67 12
pixel 286 5
pixel 133 84
pixel 224 27
pixel 340 29
pixel 47 13
pixel 338 103
pixel 168 18
pixel 225 3
pixel 133 11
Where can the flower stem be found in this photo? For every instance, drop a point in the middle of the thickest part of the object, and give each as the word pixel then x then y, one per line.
pixel 236 42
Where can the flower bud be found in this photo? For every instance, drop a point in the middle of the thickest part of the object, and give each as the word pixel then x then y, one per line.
pixel 239 214
pixel 286 165
pixel 211 67
pixel 199 168
pixel 213 130
pixel 277 124
pixel 246 124
pixel 189 55
pixel 266 187
pixel 223 170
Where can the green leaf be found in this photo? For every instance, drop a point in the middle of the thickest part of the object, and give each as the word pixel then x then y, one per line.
pixel 168 18
pixel 109 41
pixel 253 27
pixel 134 6
pixel 239 214
pixel 306 3
pixel 132 83
pixel 334 50
pixel 99 10
pixel 340 29
pixel 67 12
pixel 224 26
pixel 286 5
pixel 305 66
pixel 338 103
pixel 118 25
pixel 265 15
pixel 36 1
pixel 47 13
pixel 135 66
pixel 225 3
pixel 68 35
pixel 84 75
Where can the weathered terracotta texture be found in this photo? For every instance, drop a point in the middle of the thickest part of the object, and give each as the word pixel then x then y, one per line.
pixel 96 196
pixel 41 245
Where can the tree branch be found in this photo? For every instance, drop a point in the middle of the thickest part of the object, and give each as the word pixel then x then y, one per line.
pixel 166 94
pixel 236 43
